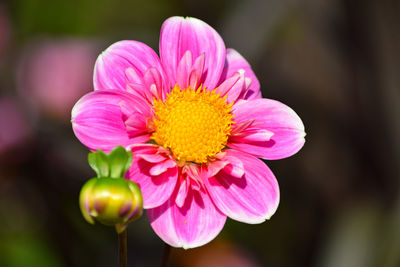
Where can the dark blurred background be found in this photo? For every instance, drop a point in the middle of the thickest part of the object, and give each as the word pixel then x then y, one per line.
pixel 335 62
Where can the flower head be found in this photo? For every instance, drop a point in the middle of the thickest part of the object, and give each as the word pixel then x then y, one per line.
pixel 196 124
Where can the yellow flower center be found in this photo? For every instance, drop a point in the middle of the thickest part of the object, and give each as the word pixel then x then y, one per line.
pixel 193 124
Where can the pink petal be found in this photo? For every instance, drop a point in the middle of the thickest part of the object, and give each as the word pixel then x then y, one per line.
pixel 152 77
pixel 152 158
pixel 199 63
pixel 184 69
pixel 162 167
pixel 194 224
pixel 192 172
pixel 182 193
pixel 268 116
pixel 252 198
pixel 179 35
pixel 197 70
pixel 233 87
pixel 234 63
pixel 133 76
pixel 194 79
pixel 157 188
pixel 231 165
pixel 111 66
pixel 215 167
pixel 137 89
pixel 258 135
pixel 148 87
pixel 224 87
pixel 234 167
pixel 98 119
pixel 136 124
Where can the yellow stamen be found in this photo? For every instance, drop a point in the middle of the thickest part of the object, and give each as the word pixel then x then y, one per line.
pixel 193 124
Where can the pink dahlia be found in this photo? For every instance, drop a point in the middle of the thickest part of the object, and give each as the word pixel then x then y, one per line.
pixel 196 123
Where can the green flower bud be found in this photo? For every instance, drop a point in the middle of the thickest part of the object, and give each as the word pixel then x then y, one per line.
pixel 111 201
pixel 109 198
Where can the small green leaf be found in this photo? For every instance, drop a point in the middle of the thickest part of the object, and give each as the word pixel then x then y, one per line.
pixel 120 161
pixel 92 159
pixel 129 161
pixel 99 162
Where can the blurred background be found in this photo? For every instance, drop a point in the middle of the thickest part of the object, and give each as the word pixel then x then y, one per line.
pixel 335 62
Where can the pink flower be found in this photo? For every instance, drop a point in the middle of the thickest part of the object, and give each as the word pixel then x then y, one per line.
pixel 14 125
pixel 54 73
pixel 196 123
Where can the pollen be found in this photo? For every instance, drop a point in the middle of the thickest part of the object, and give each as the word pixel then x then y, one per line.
pixel 193 124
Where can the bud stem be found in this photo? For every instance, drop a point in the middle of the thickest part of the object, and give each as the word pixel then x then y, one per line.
pixel 167 252
pixel 122 249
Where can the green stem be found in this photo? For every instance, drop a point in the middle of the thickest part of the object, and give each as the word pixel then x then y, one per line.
pixel 167 252
pixel 123 249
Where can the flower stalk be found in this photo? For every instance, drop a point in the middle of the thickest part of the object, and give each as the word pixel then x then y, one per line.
pixel 123 249
pixel 166 255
